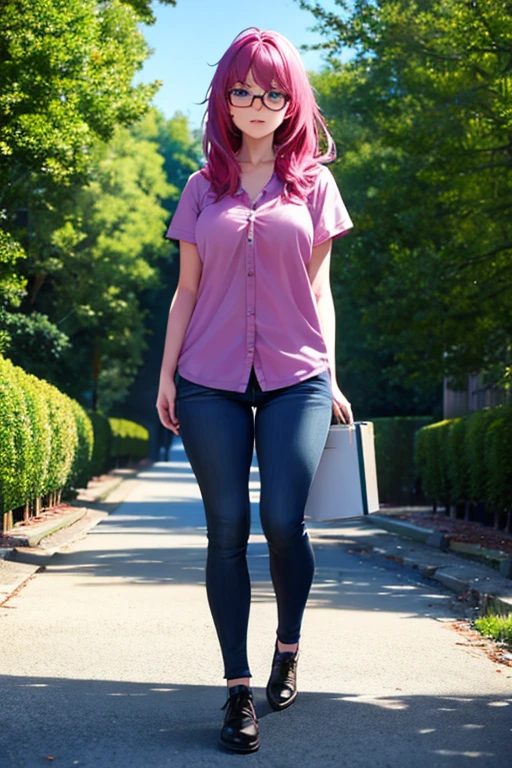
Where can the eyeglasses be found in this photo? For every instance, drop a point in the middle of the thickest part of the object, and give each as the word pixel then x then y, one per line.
pixel 274 100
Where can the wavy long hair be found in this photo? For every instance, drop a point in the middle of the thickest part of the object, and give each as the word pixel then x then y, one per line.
pixel 270 56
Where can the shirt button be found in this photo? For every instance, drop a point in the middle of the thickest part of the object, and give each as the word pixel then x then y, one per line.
pixel 250 312
pixel 250 274
pixel 251 349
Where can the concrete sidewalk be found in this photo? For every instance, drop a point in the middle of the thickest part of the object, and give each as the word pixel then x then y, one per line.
pixel 109 655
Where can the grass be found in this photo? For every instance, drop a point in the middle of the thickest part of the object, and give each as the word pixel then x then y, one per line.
pixel 497 627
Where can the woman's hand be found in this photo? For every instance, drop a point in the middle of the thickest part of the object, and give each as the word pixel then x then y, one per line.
pixel 166 405
pixel 340 405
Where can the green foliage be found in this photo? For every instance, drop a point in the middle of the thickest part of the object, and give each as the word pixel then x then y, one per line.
pixel 100 251
pixel 36 453
pixel 49 443
pixel 100 460
pixel 11 284
pixel 66 68
pixel 498 449
pixel 64 437
pixel 14 438
pixel 182 149
pixel 80 472
pixel 118 221
pixel 66 72
pixel 431 455
pixel 38 437
pixel 84 199
pixel 468 459
pixel 144 10
pixel 475 445
pixel 129 440
pixel 394 456
pixel 497 627
pixel 35 343
pixel 422 116
pixel 457 458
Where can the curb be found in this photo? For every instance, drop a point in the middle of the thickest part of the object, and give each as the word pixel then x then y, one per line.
pixel 496 559
pixel 87 498
pixel 41 530
pixel 22 557
pixel 13 576
pixel 483 589
pixel 20 562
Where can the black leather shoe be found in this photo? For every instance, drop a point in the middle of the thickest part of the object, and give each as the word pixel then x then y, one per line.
pixel 282 684
pixel 240 731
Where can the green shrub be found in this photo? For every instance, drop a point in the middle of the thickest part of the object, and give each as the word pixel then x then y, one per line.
pixel 15 436
pixel 100 461
pixel 497 627
pixel 129 440
pixel 469 460
pixel 64 437
pixel 38 453
pixel 498 459
pixel 81 468
pixel 457 460
pixel 478 424
pixel 394 456
pixel 43 436
pixel 48 443
pixel 431 455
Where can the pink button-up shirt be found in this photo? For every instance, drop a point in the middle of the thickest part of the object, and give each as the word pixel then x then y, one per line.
pixel 255 304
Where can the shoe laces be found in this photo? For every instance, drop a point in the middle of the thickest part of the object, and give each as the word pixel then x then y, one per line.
pixel 240 702
pixel 286 662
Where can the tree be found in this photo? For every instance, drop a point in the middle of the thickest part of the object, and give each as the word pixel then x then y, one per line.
pixel 66 68
pixel 66 71
pixel 423 112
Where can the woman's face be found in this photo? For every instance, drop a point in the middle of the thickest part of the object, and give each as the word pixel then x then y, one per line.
pixel 256 121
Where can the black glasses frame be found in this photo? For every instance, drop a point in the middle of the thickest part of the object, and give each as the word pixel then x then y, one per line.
pixel 262 97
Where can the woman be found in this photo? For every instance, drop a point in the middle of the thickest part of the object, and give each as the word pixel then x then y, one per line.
pixel 251 325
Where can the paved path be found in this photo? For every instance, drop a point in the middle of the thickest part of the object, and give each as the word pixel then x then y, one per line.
pixel 109 656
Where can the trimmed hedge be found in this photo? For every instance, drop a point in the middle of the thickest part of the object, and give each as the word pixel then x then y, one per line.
pixel 394 457
pixel 467 461
pixel 498 449
pixel 458 460
pixel 431 446
pixel 475 448
pixel 49 444
pixel 100 460
pixel 129 439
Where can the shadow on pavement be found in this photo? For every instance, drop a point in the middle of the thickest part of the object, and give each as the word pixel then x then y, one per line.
pixel 112 723
pixel 160 538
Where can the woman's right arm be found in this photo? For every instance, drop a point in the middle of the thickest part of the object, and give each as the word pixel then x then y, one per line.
pixel 182 306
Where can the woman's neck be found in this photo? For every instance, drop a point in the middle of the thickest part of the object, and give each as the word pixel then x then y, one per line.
pixel 256 152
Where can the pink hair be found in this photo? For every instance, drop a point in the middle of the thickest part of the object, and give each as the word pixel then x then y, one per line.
pixel 270 56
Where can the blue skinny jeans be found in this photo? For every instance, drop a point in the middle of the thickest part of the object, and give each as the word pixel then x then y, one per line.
pixel 219 429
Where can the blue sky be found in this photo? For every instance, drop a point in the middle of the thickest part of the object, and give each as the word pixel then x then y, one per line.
pixel 193 35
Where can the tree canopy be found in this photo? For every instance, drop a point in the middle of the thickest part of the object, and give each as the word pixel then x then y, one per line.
pixel 84 195
pixel 422 115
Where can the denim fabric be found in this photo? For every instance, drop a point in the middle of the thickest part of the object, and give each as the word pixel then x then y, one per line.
pixel 218 429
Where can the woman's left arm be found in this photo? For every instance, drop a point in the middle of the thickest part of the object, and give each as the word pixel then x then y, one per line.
pixel 319 276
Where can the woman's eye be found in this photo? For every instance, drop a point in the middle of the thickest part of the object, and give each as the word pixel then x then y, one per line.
pixel 240 92
pixel 275 95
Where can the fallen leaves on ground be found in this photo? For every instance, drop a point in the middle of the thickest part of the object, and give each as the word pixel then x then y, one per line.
pixel 499 653
pixel 461 530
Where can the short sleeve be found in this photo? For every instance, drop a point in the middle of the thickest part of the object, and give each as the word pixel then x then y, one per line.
pixel 328 211
pixel 183 223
